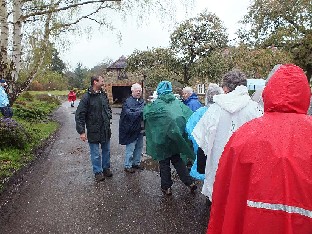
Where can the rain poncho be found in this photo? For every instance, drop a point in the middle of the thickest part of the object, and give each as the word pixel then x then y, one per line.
pixel 191 123
pixel 71 96
pixel 264 181
pixel 4 101
pixel 165 121
pixel 225 116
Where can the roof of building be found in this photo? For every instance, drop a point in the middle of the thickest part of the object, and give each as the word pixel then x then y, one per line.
pixel 119 64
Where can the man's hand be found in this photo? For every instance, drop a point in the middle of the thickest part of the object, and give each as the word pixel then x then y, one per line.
pixel 83 137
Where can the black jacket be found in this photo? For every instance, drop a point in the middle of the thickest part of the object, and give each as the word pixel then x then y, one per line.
pixel 131 118
pixel 95 113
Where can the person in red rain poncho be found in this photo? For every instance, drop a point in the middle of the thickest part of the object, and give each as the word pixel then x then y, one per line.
pixel 72 97
pixel 264 179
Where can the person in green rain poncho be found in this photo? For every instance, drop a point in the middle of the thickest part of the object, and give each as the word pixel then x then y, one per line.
pixel 166 140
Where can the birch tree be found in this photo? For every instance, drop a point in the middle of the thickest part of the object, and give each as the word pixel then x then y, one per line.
pixel 29 29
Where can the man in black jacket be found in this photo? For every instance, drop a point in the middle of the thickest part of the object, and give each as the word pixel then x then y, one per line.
pixel 130 128
pixel 94 113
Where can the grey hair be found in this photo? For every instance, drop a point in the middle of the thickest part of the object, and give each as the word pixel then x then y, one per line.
pixel 213 89
pixel 234 78
pixel 187 89
pixel 136 86
pixel 275 68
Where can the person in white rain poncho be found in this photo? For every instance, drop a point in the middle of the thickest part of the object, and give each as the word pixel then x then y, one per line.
pixel 229 111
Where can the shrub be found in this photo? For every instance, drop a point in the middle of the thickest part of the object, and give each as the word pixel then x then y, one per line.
pixel 12 134
pixel 36 86
pixel 35 110
pixel 47 98
pixel 27 96
pixel 29 112
pixel 80 92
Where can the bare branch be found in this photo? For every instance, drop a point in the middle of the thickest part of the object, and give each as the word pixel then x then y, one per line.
pixel 81 18
pixel 51 10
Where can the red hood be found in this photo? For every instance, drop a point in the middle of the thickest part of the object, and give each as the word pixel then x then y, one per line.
pixel 287 91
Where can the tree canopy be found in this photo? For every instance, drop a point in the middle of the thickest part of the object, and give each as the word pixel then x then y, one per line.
pixel 155 65
pixel 197 38
pixel 283 24
pixel 28 29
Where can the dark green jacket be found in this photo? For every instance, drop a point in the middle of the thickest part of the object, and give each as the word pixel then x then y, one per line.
pixel 165 121
pixel 94 113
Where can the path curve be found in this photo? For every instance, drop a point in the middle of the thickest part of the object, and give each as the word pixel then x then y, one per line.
pixel 58 194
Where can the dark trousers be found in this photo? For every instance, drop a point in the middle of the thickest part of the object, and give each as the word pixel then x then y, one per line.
pixel 165 171
pixel 201 161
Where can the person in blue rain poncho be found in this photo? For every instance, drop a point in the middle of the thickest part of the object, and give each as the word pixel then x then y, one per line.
pixel 5 108
pixel 198 168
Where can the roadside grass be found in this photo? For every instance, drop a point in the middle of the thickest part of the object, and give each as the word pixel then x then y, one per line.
pixel 32 112
pixel 52 92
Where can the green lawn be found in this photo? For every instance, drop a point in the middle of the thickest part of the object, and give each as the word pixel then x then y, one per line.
pixel 53 92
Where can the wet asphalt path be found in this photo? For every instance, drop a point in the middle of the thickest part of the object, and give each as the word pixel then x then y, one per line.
pixel 58 194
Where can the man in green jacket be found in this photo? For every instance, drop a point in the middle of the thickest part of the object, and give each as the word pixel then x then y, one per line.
pixel 94 113
pixel 166 140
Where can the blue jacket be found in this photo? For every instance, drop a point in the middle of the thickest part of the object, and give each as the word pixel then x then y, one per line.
pixel 192 102
pixel 4 101
pixel 130 121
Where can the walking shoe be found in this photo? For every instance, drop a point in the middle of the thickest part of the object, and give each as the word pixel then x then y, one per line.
pixel 139 167
pixel 193 187
pixel 107 172
pixel 167 191
pixel 99 177
pixel 129 170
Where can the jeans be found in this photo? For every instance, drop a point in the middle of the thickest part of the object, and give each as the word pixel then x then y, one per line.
pixel 133 152
pixel 165 171
pixel 99 161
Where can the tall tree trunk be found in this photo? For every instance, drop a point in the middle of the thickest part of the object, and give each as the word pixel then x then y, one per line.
pixel 185 74
pixel 4 31
pixel 38 60
pixel 17 38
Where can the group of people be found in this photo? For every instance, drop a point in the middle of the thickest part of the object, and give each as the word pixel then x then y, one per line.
pixel 254 157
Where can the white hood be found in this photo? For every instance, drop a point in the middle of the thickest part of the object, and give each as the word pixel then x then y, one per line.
pixel 233 101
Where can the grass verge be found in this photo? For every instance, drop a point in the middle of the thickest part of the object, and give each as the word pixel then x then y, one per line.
pixel 32 113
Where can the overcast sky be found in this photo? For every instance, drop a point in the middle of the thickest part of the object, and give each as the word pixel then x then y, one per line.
pixel 102 45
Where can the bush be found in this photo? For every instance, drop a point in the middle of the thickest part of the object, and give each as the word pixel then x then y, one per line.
pixel 26 96
pixel 35 110
pixel 47 98
pixel 36 86
pixel 251 92
pixel 30 113
pixel 12 134
pixel 80 92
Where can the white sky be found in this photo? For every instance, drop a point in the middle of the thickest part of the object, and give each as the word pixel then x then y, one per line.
pixel 101 45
